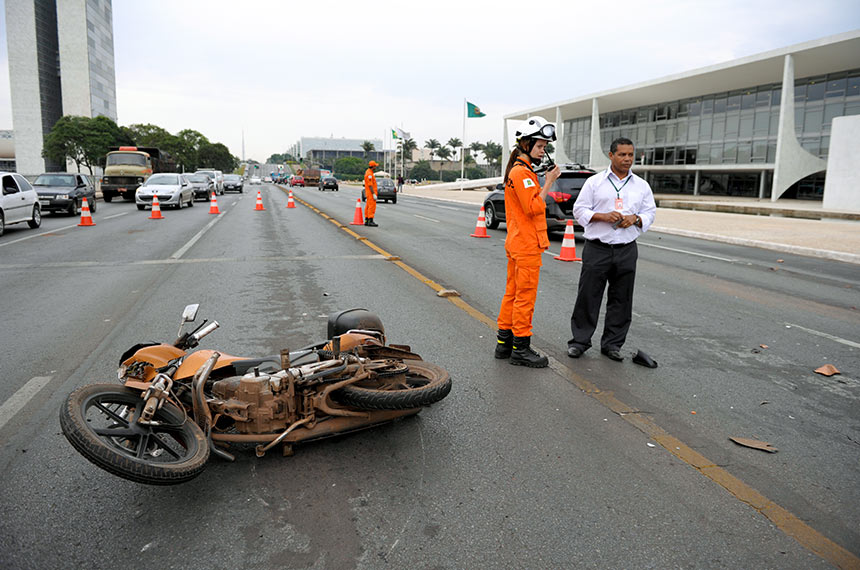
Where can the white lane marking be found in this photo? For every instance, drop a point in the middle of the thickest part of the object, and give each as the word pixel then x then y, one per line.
pixel 54 230
pixel 825 335
pixel 450 208
pixel 181 251
pixel 20 398
pixel 428 219
pixel 689 252
pixel 77 264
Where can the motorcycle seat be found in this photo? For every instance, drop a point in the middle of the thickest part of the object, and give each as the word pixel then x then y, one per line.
pixel 267 364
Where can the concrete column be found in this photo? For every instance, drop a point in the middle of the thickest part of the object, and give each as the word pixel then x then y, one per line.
pixel 792 161
pixel 597 159
pixel 761 184
pixel 560 150
pixel 843 178
pixel 696 184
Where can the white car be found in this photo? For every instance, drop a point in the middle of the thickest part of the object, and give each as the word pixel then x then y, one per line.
pixel 172 190
pixel 255 180
pixel 19 202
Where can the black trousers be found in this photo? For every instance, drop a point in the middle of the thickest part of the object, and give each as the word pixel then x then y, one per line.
pixel 602 264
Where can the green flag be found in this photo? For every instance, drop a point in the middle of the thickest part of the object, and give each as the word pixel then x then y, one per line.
pixel 394 133
pixel 473 110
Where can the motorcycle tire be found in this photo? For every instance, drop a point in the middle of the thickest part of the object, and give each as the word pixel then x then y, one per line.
pixel 424 384
pixel 93 420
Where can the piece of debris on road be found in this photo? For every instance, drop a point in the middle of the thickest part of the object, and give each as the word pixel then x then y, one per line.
pixel 827 370
pixel 755 444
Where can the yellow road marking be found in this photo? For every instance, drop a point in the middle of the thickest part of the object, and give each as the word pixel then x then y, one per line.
pixel 790 524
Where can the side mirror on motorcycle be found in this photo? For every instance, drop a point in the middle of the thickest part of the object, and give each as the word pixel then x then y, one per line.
pixel 188 316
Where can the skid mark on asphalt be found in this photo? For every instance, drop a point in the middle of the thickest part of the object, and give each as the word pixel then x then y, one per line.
pixel 782 518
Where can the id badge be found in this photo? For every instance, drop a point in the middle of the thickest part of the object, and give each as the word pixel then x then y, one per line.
pixel 619 204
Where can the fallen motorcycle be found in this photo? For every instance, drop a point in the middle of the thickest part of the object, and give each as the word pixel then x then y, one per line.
pixel 176 406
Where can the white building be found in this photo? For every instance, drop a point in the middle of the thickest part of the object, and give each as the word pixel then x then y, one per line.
pixel 61 62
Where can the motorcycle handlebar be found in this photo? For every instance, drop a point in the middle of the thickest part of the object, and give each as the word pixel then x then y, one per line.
pixel 205 330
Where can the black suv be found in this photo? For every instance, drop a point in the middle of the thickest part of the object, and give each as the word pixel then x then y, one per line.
pixel 559 200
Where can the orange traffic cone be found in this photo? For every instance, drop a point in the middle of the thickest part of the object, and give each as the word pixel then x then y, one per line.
pixel 481 226
pixel 259 205
pixel 86 218
pixel 156 209
pixel 290 203
pixel 568 245
pixel 213 205
pixel 358 219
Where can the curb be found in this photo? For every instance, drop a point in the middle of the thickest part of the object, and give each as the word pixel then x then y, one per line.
pixel 785 248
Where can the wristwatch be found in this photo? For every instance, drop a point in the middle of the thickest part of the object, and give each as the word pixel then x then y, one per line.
pixel 638 221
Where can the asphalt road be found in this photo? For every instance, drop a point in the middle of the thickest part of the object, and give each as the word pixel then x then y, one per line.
pixel 589 463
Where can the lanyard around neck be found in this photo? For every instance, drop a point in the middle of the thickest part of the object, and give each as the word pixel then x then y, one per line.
pixel 617 189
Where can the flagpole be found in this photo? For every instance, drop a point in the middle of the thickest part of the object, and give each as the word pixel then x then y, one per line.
pixel 463 148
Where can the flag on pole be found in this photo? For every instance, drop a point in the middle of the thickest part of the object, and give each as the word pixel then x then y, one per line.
pixel 399 133
pixel 474 110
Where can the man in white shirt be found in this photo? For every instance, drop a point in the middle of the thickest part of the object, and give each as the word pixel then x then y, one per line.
pixel 615 207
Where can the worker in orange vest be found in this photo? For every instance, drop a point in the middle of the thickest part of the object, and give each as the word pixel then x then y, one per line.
pixel 525 216
pixel 370 194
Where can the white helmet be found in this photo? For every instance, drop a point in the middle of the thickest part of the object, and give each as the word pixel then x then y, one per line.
pixel 536 128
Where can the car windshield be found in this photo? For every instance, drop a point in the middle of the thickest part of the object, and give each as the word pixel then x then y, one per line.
pixel 162 179
pixel 231 177
pixel 198 178
pixel 54 180
pixel 387 182
pixel 329 179
pixel 127 158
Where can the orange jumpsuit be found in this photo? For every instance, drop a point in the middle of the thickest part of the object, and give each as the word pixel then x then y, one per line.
pixel 370 194
pixel 525 217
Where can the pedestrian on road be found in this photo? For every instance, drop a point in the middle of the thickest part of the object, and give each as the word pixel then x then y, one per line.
pixel 370 194
pixel 400 184
pixel 525 214
pixel 615 207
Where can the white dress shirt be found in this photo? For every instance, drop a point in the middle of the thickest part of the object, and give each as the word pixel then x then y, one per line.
pixel 598 195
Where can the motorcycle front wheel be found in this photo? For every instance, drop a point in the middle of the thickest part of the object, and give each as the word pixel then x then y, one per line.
pixel 410 384
pixel 100 421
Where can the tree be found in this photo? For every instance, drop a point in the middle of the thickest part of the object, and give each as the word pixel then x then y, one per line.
pixel 476 147
pixel 492 152
pixel 421 171
pixel 350 165
pixel 455 143
pixel 407 147
pixel 185 148
pixel 432 144
pixel 444 153
pixel 217 156
pixel 83 140
pixel 367 147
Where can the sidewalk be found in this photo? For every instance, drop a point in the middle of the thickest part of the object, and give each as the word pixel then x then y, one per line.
pixel 784 225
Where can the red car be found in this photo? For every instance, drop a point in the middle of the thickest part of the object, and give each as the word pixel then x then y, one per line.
pixel 298 181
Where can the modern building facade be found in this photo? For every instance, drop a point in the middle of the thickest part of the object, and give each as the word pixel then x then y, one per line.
pixel 325 151
pixel 61 62
pixel 758 126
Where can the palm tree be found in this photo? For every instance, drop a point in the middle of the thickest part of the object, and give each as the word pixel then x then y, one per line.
pixel 455 143
pixel 432 144
pixel 492 152
pixel 444 153
pixel 367 147
pixel 407 146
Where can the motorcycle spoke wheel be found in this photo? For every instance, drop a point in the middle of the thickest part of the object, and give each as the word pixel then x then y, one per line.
pixel 100 421
pixel 407 385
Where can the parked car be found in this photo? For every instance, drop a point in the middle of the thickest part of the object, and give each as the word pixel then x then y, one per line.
pixel 298 181
pixel 255 180
pixel 172 189
pixel 329 183
pixel 19 202
pixel 233 182
pixel 385 190
pixel 412 181
pixel 217 176
pixel 202 185
pixel 65 193
pixel 559 199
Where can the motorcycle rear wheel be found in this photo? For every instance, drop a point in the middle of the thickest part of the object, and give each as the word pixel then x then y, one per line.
pixel 421 385
pixel 99 422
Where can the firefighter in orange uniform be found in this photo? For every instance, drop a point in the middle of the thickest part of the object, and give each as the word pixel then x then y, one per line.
pixel 525 216
pixel 370 195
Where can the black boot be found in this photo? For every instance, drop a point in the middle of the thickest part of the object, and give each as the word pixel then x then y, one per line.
pixel 504 343
pixel 371 223
pixel 524 355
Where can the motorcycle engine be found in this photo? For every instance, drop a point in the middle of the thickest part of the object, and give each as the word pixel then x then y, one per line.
pixel 258 403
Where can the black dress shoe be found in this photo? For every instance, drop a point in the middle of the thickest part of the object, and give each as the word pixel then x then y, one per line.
pixel 612 354
pixel 574 351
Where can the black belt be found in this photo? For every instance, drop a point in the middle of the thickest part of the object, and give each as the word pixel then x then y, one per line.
pixel 609 245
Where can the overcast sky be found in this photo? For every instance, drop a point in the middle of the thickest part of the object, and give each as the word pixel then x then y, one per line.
pixel 282 70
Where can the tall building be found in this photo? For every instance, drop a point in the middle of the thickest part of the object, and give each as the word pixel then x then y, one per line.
pixel 758 126
pixel 61 62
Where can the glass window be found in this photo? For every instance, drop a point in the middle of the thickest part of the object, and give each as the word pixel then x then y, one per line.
pixel 707 106
pixel 748 100
pixel 658 155
pixel 760 125
pixel 660 134
pixel 771 152
pixel 774 122
pixel 670 133
pixel 681 132
pixel 831 111
pixel 836 88
pixel 716 153
pixel 759 151
pixel 800 93
pixel 852 108
pixel 811 144
pixel 730 152
pixel 690 156
pixel 732 122
pixel 693 131
pixel 649 135
pixel 719 131
pixel 705 131
pixel 775 97
pixel 683 108
pixel 703 156
pixel 825 145
pixel 662 112
pixel 762 99
pixel 746 130
pixel 812 120
pixel 853 89
pixel 720 105
pixel 815 91
pixel 673 111
pixel 695 108
pixel 733 103
pixel 744 153
pixel 669 156
pixel 640 134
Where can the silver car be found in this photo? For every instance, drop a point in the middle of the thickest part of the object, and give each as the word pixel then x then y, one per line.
pixel 18 202
pixel 172 190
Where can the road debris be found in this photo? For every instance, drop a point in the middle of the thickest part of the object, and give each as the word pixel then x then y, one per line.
pixel 754 443
pixel 827 370
pixel 447 293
